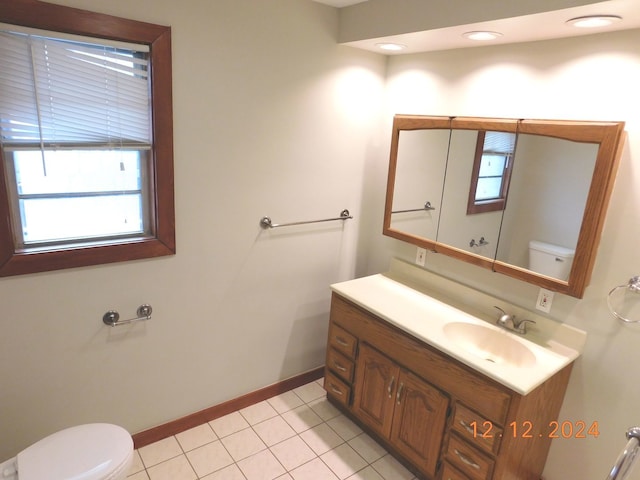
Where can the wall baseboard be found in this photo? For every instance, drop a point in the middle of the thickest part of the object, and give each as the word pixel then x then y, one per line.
pixel 174 427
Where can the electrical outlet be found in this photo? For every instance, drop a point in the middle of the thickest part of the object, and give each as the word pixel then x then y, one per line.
pixel 421 256
pixel 545 299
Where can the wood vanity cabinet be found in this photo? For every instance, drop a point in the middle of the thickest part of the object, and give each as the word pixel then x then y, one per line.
pixel 441 418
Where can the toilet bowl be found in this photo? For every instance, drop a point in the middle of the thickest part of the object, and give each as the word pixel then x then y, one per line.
pixel 97 451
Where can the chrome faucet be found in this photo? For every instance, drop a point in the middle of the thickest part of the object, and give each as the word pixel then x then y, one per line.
pixel 511 323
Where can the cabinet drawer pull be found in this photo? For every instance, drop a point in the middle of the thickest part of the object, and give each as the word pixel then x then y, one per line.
pixel 399 394
pixel 336 390
pixel 467 427
pixel 390 387
pixel 342 342
pixel 466 460
pixel 339 367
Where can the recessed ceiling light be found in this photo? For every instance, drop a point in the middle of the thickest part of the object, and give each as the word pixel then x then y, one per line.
pixel 391 47
pixel 481 35
pixel 594 21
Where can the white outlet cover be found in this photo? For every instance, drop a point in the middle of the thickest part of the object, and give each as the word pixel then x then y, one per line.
pixel 544 301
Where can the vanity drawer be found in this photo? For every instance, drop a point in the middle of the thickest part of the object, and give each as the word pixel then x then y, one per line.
pixel 339 390
pixel 450 473
pixel 340 365
pixel 476 429
pixel 342 341
pixel 468 459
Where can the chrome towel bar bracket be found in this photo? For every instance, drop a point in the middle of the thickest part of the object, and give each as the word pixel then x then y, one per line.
pixel 265 222
pixel 112 317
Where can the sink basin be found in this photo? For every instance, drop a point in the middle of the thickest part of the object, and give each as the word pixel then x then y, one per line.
pixel 490 344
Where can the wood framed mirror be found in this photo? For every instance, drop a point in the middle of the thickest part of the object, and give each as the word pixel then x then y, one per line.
pixel 491 191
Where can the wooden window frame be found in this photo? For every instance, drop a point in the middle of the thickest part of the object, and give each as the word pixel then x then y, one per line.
pixel 494 204
pixel 46 16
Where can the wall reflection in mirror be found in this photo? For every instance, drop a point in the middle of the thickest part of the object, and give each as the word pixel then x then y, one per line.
pixel 526 198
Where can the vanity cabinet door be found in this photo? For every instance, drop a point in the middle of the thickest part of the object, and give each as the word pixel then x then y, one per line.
pixel 375 389
pixel 419 421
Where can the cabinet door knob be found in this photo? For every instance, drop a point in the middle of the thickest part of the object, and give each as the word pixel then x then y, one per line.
pixel 342 342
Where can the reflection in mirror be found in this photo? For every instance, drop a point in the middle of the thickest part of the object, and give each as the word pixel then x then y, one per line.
pixel 556 201
pixel 459 228
pixel 420 168
pixel 550 184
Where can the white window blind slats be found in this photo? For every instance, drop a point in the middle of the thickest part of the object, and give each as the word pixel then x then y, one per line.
pixel 499 142
pixel 85 93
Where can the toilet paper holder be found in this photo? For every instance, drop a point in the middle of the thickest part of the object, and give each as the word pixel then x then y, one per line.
pixel 112 317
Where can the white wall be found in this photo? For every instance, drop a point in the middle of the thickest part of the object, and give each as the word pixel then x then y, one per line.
pixel 589 78
pixel 271 117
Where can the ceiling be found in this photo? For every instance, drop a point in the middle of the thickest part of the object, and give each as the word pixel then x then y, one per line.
pixel 527 28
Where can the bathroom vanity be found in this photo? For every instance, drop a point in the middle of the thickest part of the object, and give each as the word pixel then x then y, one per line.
pixel 434 380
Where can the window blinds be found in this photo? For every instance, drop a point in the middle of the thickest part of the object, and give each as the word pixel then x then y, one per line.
pixel 499 142
pixel 57 92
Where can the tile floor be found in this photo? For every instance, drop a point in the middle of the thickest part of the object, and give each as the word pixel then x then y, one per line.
pixel 294 436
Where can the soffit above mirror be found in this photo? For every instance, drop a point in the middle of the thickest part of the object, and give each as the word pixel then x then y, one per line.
pixel 430 26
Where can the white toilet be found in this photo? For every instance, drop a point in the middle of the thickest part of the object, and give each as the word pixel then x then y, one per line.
pixel 97 451
pixel 550 260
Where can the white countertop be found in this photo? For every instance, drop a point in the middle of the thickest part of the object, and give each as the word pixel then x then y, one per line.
pixel 424 317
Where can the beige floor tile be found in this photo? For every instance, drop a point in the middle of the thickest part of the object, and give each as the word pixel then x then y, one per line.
pixel 232 423
pixel 367 448
pixel 258 413
pixel 366 474
pixel 343 461
pixel 324 409
pixel 159 452
pixel 292 453
pixel 232 472
pixel 313 470
pixel 321 438
pixel 136 464
pixel 344 427
pixel 243 444
pixel 209 458
pixel 196 437
pixel 310 391
pixel 274 430
pixel 177 468
pixel 302 418
pixel 285 402
pixel 261 466
pixel 390 469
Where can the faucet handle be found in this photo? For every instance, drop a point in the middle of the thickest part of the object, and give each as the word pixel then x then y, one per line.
pixel 504 316
pixel 521 325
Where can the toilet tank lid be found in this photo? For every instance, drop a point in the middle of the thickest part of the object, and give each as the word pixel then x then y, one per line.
pixel 556 250
pixel 84 452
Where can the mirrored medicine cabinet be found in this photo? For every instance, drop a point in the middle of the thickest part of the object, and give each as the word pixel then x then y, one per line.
pixel 493 192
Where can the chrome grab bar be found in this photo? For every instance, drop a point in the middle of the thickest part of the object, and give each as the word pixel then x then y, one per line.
pixel 112 317
pixel 265 222
pixel 427 206
pixel 627 457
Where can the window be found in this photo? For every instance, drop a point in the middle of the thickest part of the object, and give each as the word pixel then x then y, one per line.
pixel 86 137
pixel 491 171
